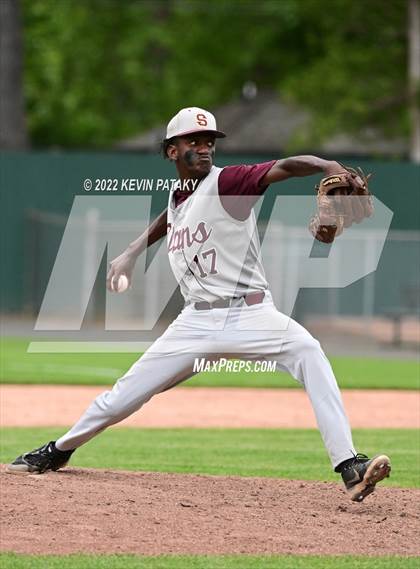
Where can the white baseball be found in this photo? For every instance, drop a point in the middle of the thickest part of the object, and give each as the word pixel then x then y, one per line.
pixel 121 284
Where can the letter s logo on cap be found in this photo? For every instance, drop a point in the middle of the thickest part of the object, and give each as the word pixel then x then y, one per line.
pixel 201 119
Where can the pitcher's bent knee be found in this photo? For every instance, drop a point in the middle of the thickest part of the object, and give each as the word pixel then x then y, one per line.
pixel 308 346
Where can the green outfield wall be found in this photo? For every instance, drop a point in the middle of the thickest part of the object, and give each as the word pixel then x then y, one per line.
pixel 49 181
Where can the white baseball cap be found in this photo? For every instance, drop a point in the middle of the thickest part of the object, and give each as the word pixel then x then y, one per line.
pixel 190 120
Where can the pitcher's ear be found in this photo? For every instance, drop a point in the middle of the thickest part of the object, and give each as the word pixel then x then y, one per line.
pixel 165 146
pixel 172 152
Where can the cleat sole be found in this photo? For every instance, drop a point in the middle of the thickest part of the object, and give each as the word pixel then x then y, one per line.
pixel 20 469
pixel 377 471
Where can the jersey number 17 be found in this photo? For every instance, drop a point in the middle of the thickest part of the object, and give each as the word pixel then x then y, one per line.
pixel 210 258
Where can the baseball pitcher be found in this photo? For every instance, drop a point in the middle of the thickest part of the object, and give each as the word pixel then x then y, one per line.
pixel 214 252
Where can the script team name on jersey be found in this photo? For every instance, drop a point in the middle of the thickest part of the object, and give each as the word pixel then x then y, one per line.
pixel 183 237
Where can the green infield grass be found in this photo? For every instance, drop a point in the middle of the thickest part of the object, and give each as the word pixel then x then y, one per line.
pixel 277 453
pixel 18 366
pixel 10 560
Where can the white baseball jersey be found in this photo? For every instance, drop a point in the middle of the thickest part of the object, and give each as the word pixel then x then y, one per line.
pixel 212 254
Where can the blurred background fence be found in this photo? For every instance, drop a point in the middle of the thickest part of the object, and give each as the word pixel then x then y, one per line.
pixel 40 188
pixel 91 100
pixel 392 289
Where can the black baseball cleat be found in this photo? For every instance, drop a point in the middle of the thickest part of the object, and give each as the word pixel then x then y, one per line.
pixel 361 474
pixel 40 460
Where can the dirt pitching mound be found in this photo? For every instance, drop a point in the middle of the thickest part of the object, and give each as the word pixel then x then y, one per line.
pixel 102 511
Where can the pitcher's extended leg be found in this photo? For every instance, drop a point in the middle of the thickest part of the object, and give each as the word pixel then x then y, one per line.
pixel 148 376
pixel 168 362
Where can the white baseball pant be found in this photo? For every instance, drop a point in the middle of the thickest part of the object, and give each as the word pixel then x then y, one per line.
pixel 249 332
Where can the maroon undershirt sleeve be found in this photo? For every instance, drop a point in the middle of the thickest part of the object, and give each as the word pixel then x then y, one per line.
pixel 242 181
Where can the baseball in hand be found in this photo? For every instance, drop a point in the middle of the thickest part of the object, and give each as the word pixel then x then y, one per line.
pixel 121 284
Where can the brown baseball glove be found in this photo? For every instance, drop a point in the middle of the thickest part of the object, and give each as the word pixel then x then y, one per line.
pixel 343 199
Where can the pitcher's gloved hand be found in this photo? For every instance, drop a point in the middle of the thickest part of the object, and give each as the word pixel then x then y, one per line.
pixel 343 199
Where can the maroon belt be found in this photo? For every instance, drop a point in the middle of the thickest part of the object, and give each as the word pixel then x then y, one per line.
pixel 249 299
